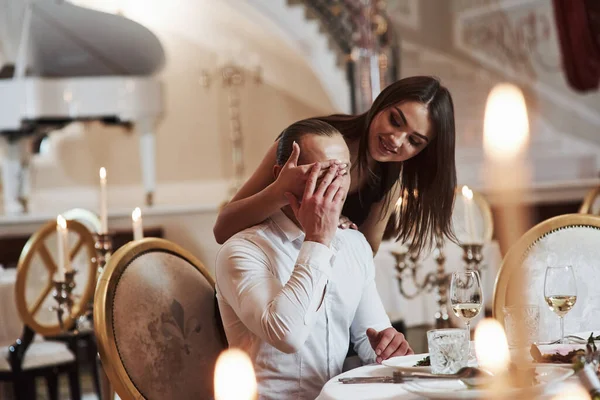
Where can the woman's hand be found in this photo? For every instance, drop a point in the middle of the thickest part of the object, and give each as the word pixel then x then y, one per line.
pixel 292 177
pixel 345 223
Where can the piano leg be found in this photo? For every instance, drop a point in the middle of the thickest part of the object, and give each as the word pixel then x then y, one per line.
pixel 15 177
pixel 148 158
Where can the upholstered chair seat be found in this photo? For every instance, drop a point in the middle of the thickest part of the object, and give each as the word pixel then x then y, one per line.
pixel 40 354
pixel 157 323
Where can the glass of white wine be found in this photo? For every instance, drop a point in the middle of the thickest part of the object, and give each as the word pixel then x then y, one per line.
pixel 560 292
pixel 466 295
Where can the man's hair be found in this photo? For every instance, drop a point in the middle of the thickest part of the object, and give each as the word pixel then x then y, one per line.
pixel 294 132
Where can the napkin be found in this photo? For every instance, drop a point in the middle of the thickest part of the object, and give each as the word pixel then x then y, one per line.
pixel 542 353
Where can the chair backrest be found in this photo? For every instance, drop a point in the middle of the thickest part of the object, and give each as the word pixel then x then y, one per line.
pixel 591 202
pixel 88 218
pixel 572 239
pixel 35 272
pixel 156 322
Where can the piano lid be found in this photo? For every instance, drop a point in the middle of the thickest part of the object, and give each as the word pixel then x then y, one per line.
pixel 71 41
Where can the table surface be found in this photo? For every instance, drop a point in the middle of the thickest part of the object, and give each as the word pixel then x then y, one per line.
pixel 335 390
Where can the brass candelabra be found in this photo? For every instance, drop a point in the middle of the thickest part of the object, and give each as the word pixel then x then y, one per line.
pixel 473 256
pixel 407 271
pixel 63 294
pixel 104 247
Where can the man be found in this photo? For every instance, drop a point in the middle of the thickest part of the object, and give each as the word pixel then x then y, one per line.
pixel 294 290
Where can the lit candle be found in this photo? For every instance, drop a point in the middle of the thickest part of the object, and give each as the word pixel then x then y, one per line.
pixel 136 218
pixel 506 135
pixel 103 202
pixel 468 203
pixel 400 247
pixel 62 243
pixel 234 376
pixel 491 346
pixel 505 127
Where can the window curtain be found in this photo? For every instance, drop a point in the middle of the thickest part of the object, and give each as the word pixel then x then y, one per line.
pixel 578 26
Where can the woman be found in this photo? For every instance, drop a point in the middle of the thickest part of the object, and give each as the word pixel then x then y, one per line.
pixel 403 144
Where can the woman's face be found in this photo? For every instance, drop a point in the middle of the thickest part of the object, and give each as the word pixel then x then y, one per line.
pixel 399 132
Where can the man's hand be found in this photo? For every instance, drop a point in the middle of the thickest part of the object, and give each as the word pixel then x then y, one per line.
pixel 293 177
pixel 321 205
pixel 388 343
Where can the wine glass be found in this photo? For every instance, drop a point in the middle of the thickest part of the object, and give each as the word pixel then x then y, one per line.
pixel 560 292
pixel 466 295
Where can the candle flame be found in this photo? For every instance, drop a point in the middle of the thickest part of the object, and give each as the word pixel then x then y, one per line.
pixel 234 376
pixel 491 346
pixel 468 193
pixel 60 221
pixel 102 173
pixel 506 127
pixel 136 214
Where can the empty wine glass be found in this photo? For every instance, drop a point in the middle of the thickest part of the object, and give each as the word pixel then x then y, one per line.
pixel 560 293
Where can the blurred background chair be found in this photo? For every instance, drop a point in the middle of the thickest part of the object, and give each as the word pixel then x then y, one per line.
pixel 31 355
pixel 571 239
pixel 158 327
pixel 591 202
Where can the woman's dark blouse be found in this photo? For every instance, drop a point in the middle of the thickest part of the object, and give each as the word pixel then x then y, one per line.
pixel 359 203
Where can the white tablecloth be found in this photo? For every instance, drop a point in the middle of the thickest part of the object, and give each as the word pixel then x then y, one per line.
pixel 335 390
pixel 10 322
pixel 421 310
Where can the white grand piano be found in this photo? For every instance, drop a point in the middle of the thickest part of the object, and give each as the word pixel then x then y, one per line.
pixel 61 63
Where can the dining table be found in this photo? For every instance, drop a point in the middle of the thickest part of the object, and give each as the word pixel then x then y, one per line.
pixel 336 390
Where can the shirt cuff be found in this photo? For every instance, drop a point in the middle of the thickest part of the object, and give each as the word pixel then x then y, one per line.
pixel 316 255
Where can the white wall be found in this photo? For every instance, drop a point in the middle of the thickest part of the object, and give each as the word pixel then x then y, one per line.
pixel 193 149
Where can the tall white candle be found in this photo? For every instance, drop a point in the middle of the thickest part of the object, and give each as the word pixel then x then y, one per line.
pixel 63 254
pixel 507 174
pixel 469 220
pixel 491 346
pixel 400 247
pixel 136 219
pixel 103 202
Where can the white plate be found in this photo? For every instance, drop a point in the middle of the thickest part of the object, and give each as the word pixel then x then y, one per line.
pixel 407 363
pixel 454 389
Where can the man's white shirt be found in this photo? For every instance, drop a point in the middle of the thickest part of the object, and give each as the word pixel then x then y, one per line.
pixel 293 305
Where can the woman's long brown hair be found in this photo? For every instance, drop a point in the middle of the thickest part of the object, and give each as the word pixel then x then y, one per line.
pixel 427 180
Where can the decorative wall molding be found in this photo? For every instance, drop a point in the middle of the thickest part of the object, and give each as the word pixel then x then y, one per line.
pixel 518 40
pixel 520 35
pixel 406 13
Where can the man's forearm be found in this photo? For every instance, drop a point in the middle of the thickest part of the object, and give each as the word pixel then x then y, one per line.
pixel 288 320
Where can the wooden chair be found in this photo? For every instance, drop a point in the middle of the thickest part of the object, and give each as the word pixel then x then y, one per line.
pixel 572 239
pixel 158 328
pixel 29 357
pixel 591 202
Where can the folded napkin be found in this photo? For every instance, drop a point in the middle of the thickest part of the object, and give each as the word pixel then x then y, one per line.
pixel 556 353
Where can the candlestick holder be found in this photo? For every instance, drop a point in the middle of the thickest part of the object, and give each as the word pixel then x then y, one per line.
pixel 473 256
pixel 63 294
pixel 441 285
pixel 407 271
pixel 104 249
